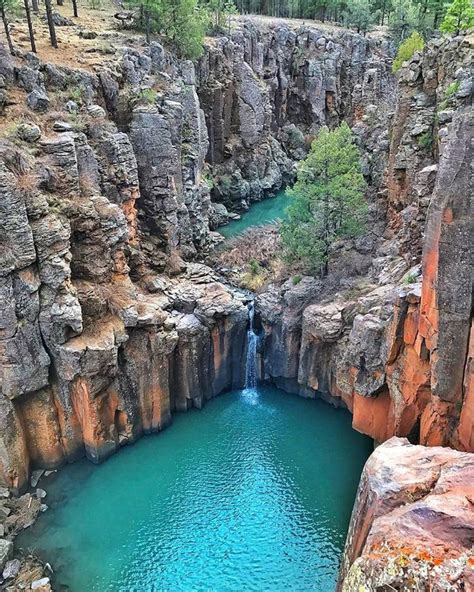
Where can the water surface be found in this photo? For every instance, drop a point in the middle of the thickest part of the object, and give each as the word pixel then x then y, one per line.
pixel 260 213
pixel 252 493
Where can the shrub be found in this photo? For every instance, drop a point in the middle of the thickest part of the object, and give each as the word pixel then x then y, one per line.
pixel 410 278
pixel 296 279
pixel 76 94
pixel 407 49
pixel 452 89
pixel 425 141
pixel 147 95
pixel 255 267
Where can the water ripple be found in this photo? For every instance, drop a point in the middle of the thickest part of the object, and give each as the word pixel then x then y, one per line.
pixel 253 493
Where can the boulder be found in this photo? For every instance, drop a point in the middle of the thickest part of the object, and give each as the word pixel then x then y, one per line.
pixel 38 100
pixel 28 133
pixel 6 551
pixel 412 525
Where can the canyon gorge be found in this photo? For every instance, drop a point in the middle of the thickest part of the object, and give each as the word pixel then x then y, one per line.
pixel 112 319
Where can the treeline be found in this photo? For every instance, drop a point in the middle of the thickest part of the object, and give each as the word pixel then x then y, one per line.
pixel 401 15
pixel 184 23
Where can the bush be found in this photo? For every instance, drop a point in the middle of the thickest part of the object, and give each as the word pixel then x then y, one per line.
pixel 425 141
pixel 410 278
pixel 255 267
pixel 452 89
pixel 296 279
pixel 147 95
pixel 406 50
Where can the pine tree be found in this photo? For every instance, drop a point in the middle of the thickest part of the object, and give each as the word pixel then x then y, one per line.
pixel 183 22
pixel 30 26
pixel 359 14
pixel 328 200
pixel 402 20
pixel 52 29
pixel 459 17
pixel 6 6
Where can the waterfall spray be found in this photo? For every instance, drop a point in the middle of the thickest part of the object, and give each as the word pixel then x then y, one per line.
pixel 251 362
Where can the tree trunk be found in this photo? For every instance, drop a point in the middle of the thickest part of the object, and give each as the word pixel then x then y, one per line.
pixel 52 30
pixel 60 2
pixel 74 8
pixel 34 5
pixel 147 26
pixel 7 31
pixel 30 26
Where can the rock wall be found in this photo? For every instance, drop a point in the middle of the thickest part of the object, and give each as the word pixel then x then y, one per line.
pixel 266 91
pixel 105 331
pixel 107 326
pixel 412 525
pixel 394 345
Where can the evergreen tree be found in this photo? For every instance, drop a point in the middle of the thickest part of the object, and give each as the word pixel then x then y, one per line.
pixel 402 20
pixel 49 17
pixel 6 7
pixel 459 17
pixel 30 26
pixel 183 22
pixel 328 200
pixel 221 12
pixel 359 15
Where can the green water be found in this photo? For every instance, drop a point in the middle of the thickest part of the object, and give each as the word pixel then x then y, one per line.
pixel 253 493
pixel 262 212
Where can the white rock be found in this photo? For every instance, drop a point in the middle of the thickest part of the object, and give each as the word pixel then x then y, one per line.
pixel 37 584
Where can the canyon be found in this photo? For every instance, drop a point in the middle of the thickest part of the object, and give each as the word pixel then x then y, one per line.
pixel 110 197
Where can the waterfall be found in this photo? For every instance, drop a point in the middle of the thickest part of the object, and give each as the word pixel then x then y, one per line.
pixel 251 362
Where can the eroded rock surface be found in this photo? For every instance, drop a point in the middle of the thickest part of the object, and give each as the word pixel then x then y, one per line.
pixel 268 88
pixel 392 342
pixel 412 526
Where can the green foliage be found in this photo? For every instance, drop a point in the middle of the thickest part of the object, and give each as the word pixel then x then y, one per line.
pixel 425 141
pixel 147 96
pixel 296 279
pixel 182 22
pixel 406 50
pixel 402 20
pixel 459 17
pixel 75 93
pixel 10 7
pixel 452 89
pixel 221 12
pixel 255 267
pixel 359 14
pixel 410 278
pixel 328 200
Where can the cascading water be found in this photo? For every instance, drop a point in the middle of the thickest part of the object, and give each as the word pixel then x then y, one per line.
pixel 251 362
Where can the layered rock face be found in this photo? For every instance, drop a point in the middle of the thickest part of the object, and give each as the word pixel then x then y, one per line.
pixel 412 525
pixel 107 325
pixel 97 346
pixel 268 89
pixel 395 347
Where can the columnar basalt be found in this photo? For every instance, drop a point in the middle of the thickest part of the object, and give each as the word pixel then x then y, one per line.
pixel 107 328
pixel 268 89
pixel 97 346
pixel 394 347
